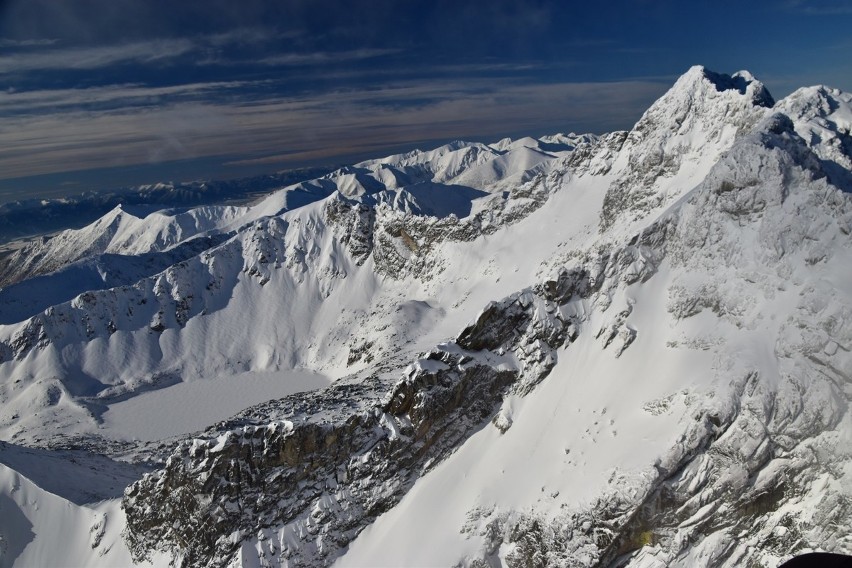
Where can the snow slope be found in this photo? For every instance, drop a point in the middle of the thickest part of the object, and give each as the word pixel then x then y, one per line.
pixel 41 529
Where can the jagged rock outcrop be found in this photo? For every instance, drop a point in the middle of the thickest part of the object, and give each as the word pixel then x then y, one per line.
pixel 305 475
pixel 328 463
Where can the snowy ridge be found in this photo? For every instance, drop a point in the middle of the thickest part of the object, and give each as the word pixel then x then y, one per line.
pixel 92 250
pixel 665 381
pixel 822 117
pixel 367 455
pixel 33 217
pixel 122 232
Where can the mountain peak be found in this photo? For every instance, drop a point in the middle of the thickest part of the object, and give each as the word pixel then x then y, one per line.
pixel 742 82
pixel 705 96
pixel 689 127
pixel 822 116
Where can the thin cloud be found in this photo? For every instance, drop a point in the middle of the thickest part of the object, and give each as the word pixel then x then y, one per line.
pixel 383 74
pixel 323 57
pixel 95 57
pixel 159 51
pixel 313 128
pixel 247 36
pixel 19 43
pixel 124 96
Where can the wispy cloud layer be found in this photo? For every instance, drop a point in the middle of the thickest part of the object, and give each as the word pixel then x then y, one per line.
pixel 324 57
pixel 23 43
pixel 205 50
pixel 126 96
pixel 95 57
pixel 295 129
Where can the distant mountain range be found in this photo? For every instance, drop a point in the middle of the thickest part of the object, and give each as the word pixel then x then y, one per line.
pixel 32 217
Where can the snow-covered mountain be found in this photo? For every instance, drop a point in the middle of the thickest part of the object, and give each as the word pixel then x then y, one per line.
pixel 579 350
pixel 37 216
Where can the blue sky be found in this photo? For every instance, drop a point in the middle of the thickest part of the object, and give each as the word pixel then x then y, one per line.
pixel 101 93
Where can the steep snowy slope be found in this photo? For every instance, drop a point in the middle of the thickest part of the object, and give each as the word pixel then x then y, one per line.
pixel 578 350
pixel 721 436
pixel 39 528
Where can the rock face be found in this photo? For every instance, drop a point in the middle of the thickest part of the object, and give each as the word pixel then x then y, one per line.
pixel 403 244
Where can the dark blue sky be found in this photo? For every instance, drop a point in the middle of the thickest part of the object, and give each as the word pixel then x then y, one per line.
pixel 101 93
